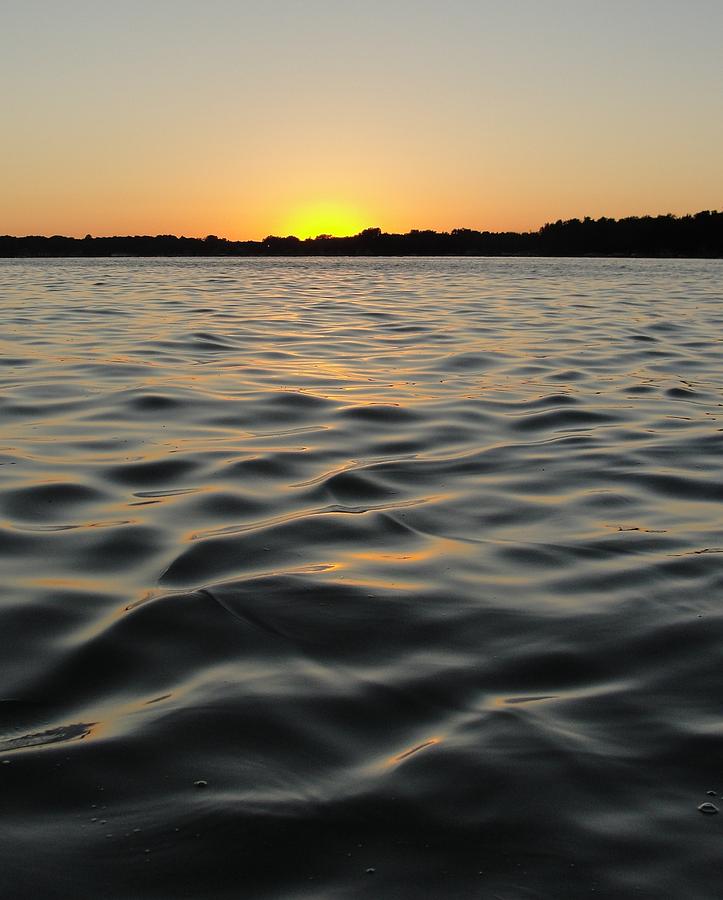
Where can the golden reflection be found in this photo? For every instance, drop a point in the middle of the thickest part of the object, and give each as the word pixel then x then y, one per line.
pixel 436 547
pixel 405 754
pixel 502 702
pixel 505 701
pixel 75 584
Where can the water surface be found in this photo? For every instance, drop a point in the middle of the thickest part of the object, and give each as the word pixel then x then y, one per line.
pixel 361 578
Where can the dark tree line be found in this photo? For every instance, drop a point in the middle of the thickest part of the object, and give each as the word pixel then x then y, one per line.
pixel 698 235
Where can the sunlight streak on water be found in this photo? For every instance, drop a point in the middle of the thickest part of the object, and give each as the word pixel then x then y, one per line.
pixel 415 563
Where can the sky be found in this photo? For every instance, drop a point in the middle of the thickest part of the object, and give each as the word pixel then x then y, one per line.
pixel 244 119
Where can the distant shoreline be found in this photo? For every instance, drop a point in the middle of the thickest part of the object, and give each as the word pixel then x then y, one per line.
pixel 695 236
pixel 228 256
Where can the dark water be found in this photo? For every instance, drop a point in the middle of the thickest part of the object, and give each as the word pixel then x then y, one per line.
pixel 416 564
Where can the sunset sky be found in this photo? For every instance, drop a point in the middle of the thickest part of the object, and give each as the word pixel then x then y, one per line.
pixel 251 118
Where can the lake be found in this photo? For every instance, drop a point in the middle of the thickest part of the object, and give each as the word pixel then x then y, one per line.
pixel 361 578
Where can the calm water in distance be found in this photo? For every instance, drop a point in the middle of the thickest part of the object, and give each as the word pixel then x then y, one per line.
pixel 416 563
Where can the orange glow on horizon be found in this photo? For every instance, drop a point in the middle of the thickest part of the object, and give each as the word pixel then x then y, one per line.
pixel 272 121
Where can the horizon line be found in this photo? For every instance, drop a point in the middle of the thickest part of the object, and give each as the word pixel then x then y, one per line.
pixel 367 231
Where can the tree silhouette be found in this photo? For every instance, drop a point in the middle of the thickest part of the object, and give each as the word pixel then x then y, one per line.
pixel 696 235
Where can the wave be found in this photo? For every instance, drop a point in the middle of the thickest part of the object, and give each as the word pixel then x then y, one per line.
pixel 388 578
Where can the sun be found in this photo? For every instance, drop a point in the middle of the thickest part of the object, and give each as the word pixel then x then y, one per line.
pixel 335 219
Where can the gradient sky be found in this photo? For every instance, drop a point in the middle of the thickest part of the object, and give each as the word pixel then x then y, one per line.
pixel 250 118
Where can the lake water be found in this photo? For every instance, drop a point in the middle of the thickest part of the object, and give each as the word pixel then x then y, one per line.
pixel 332 578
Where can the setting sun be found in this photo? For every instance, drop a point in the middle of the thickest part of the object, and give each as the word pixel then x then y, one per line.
pixel 335 219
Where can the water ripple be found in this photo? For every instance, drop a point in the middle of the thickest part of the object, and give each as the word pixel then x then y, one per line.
pixel 353 578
